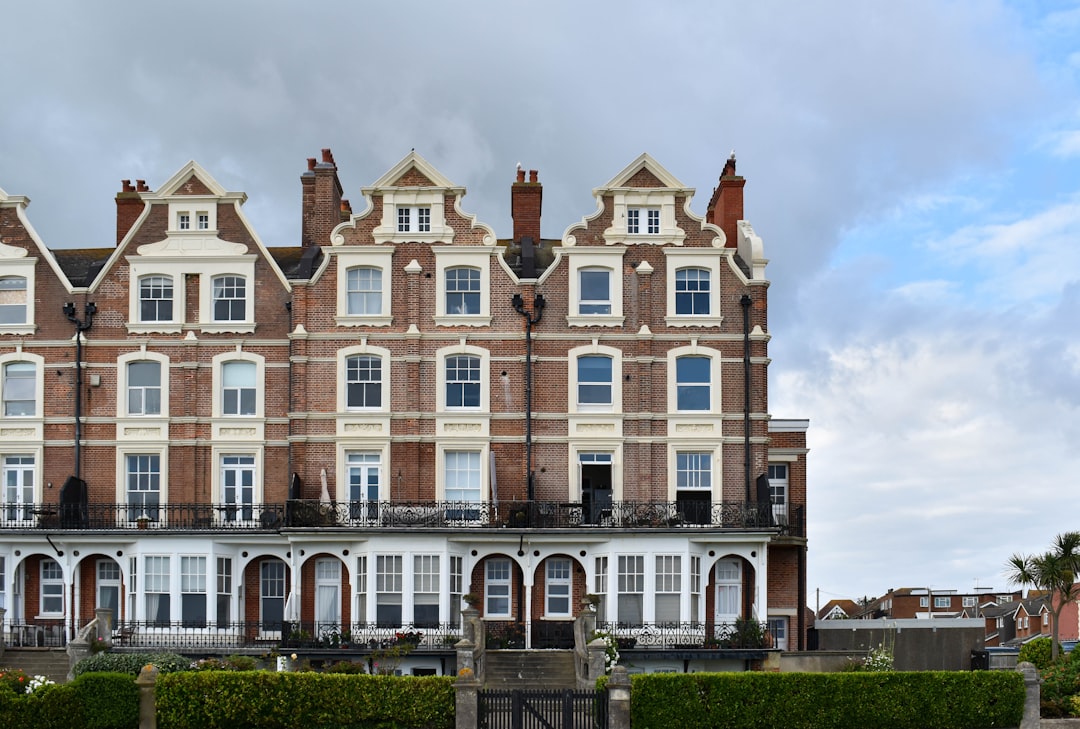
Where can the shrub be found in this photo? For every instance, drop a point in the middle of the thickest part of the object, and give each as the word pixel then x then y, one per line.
pixel 1060 682
pixel 131 663
pixel 1037 652
pixel 109 700
pixel 892 700
pixel 257 699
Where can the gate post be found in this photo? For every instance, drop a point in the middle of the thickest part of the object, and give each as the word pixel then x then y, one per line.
pixel 1031 695
pixel 147 710
pixel 618 688
pixel 465 700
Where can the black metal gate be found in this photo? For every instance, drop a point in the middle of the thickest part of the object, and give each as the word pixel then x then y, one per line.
pixel 539 709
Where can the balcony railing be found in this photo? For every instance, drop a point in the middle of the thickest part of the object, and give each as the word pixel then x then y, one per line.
pixel 740 635
pixel 184 636
pixel 304 513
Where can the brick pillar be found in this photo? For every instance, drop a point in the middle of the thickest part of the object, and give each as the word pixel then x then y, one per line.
pixel 725 209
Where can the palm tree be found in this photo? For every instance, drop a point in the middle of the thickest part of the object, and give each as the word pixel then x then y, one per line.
pixel 1055 572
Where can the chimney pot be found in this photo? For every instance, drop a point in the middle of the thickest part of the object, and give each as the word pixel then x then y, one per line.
pixel 140 186
pixel 125 186
pixel 520 175
pixel 532 176
pixel 311 163
pixel 327 156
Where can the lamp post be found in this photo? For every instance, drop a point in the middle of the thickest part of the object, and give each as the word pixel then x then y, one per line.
pixel 532 317
pixel 81 325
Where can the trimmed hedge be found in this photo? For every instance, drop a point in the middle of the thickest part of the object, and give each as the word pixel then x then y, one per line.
pixel 897 700
pixel 131 663
pixel 267 700
pixel 98 701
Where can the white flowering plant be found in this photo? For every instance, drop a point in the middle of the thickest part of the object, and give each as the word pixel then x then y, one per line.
pixel 611 651
pixel 37 682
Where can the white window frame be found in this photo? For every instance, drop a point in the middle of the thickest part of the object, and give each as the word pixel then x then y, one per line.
pixel 379 258
pixel 476 257
pixel 452 286
pixel 778 628
pixel 363 350
pixel 26 362
pixel 157 574
pixel 17 264
pixel 218 363
pixel 390 587
pixel 228 282
pixel 595 350
pixel 19 512
pixel 229 462
pixel 482 447
pixel 183 220
pixel 159 282
pixel 441 357
pixel 463 463
pixel 558 586
pixel 680 259
pixel 193 581
pixel 155 449
pixel 728 575
pixel 223 602
pixel 202 220
pixel 202 205
pixel 970 601
pixel 394 197
pixel 360 465
pixel 367 288
pixel 780 490
pixel 609 258
pixel 122 412
pixel 327 573
pixel 467 375
pixel 53 581
pixel 108 574
pixel 942 602
pixel 714 384
pixel 631 584
pixel 214 264
pixel 426 588
pixel 413 218
pixel 26 303
pixel 642 220
pixel 667 585
pixel 498 587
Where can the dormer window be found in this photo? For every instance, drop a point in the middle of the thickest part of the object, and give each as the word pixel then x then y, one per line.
pixel 13 300
pixel 202 220
pixel 643 220
pixel 413 219
pixel 183 221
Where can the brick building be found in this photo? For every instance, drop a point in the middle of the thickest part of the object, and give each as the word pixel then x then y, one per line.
pixel 232 445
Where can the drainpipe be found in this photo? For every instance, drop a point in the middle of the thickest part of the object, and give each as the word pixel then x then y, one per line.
pixel 745 302
pixel 80 327
pixel 531 318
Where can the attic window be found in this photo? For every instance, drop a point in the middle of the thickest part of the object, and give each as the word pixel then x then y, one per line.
pixel 643 220
pixel 413 219
pixel 183 221
pixel 202 220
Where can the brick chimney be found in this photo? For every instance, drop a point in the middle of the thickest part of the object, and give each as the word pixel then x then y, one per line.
pixel 129 206
pixel 726 206
pixel 525 203
pixel 321 208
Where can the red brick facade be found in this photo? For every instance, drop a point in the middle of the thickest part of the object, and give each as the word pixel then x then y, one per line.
pixel 224 383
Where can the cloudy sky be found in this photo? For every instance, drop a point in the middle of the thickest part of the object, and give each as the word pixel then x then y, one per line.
pixel 914 170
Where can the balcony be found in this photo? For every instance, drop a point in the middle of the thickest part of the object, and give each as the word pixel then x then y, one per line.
pixel 368 515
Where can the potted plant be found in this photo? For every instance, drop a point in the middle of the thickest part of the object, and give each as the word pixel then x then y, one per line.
pixel 472 600
pixel 143 521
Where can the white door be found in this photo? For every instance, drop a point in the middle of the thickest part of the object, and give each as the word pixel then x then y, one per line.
pixel 327 595
pixel 728 581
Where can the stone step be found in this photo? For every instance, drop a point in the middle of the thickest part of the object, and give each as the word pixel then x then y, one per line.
pixel 51 662
pixel 529 669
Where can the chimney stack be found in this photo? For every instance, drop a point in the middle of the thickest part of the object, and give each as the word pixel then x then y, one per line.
pixel 526 200
pixel 726 206
pixel 321 208
pixel 129 206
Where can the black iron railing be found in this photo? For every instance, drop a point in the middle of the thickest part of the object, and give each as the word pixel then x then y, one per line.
pixel 739 635
pixel 310 513
pixel 285 634
pixel 37 634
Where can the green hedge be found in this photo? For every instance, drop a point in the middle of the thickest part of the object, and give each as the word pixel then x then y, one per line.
pixel 98 701
pixel 132 663
pixel 303 700
pixel 916 700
